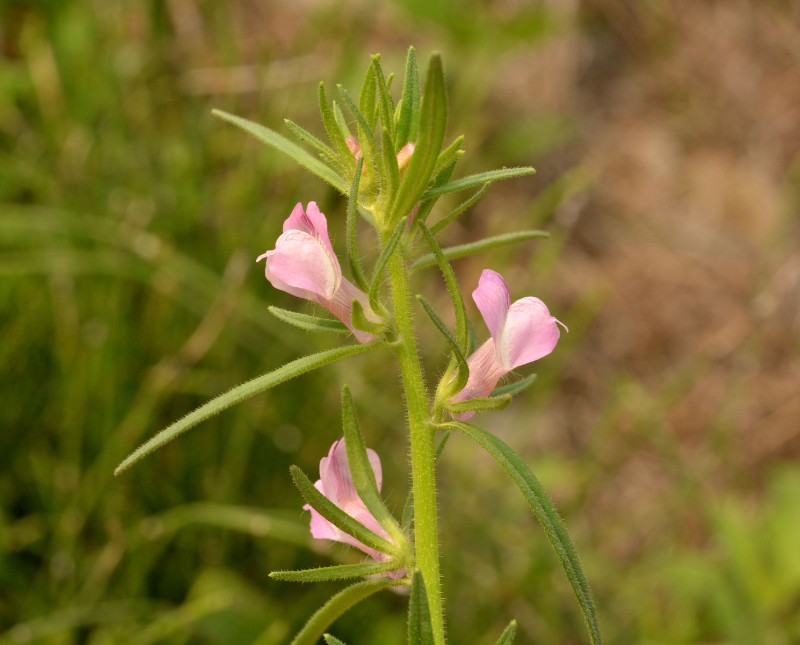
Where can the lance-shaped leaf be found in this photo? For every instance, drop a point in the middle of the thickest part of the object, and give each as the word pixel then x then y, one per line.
pixel 332 640
pixel 242 392
pixel 385 104
pixel 545 512
pixel 339 518
pixel 426 205
pixel 335 607
pixel 292 150
pixel 366 137
pixel 481 404
pixel 463 369
pixel 353 257
pixel 453 288
pixel 472 248
pixel 335 133
pixel 309 323
pixel 337 572
pixel 341 121
pixel 433 119
pixel 514 388
pixel 390 167
pixel 362 472
pixel 461 208
pixel 366 98
pixel 325 151
pixel 408 116
pixel 509 634
pixel 420 628
pixel 448 158
pixel 478 179
pixel 383 258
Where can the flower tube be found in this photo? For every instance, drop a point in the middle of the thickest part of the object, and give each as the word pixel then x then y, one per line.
pixel 303 264
pixel 521 332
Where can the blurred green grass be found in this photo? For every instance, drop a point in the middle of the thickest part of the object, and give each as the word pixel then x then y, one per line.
pixel 129 222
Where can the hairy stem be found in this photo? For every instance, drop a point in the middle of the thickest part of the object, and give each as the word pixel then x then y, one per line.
pixel 423 468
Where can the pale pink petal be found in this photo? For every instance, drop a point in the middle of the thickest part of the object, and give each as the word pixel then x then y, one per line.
pixel 297 221
pixel 492 298
pixel 375 462
pixel 302 262
pixel 334 473
pixel 354 146
pixel 529 333
pixel 484 373
pixel 320 224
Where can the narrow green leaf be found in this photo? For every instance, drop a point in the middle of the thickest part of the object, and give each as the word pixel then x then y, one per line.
pixel 361 469
pixel 440 179
pixel 509 634
pixel 545 512
pixel 383 258
pixel 514 388
pixel 448 157
pixel 338 517
pixel 323 148
pixel 366 137
pixel 385 103
pixel 420 628
pixel 335 133
pixel 341 121
pixel 337 572
pixel 367 96
pixel 353 258
pixel 408 116
pixel 481 404
pixel 433 119
pixel 242 392
pixel 332 640
pixel 309 323
pixel 452 287
pixel 441 442
pixel 292 150
pixel 325 616
pixel 458 210
pixel 360 321
pixel 463 370
pixel 464 250
pixel 481 178
pixel 391 171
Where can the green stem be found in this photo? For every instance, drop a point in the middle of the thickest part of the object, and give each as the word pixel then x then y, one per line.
pixel 423 454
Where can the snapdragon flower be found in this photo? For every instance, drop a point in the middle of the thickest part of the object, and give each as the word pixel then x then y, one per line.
pixel 336 483
pixel 521 333
pixel 303 264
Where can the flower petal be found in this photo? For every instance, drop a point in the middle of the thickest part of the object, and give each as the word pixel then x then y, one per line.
pixel 375 462
pixel 529 333
pixel 341 306
pixel 334 473
pixel 311 221
pixel 301 261
pixel 492 298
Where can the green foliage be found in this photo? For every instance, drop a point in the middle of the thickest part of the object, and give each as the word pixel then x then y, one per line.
pixel 420 630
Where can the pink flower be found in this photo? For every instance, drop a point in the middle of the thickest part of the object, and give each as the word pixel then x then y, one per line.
pixel 522 332
pixel 336 483
pixel 303 263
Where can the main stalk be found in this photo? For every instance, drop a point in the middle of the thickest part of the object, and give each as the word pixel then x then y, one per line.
pixel 423 454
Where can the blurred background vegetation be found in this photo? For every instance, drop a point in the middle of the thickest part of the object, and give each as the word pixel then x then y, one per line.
pixel 666 426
